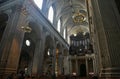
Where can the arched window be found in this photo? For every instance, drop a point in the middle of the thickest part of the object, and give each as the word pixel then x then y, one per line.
pixel 64 33
pixel 50 14
pixel 58 25
pixel 39 3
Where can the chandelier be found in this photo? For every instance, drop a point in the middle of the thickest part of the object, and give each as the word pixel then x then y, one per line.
pixel 78 17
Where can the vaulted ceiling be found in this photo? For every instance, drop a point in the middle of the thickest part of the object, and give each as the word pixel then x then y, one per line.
pixel 65 9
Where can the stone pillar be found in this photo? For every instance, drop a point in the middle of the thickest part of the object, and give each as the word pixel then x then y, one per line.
pixel 66 65
pixel 11 42
pixel 106 19
pixel 76 63
pixel 37 57
pixel 41 58
pixel 95 64
pixel 60 62
pixel 86 61
pixel 70 65
pixel 94 67
pixel 53 62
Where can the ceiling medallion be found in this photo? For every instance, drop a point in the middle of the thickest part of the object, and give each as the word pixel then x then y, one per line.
pixel 78 17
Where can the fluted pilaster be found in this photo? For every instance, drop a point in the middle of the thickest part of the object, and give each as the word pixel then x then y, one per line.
pixel 36 59
pixel 11 42
pixel 108 31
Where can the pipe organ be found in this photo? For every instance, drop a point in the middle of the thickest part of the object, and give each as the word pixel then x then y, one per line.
pixel 80 44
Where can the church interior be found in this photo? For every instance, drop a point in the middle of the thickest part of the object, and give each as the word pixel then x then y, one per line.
pixel 60 39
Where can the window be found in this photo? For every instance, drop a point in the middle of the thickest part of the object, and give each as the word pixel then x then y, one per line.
pixel 58 25
pixel 64 33
pixel 27 42
pixel 39 3
pixel 50 14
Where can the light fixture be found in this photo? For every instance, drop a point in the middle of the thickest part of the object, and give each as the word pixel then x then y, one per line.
pixel 75 34
pixel 26 29
pixel 78 17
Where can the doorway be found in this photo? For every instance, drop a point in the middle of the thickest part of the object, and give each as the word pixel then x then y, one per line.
pixel 82 70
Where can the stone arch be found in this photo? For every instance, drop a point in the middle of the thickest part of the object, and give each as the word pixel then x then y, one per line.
pixel 34 38
pixel 25 61
pixel 49 42
pixel 48 55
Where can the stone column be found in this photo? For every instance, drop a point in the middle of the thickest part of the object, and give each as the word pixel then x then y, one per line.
pixel 70 65
pixel 53 62
pixel 76 63
pixel 66 65
pixel 37 57
pixel 41 58
pixel 60 64
pixel 11 42
pixel 106 19
pixel 86 61
pixel 94 67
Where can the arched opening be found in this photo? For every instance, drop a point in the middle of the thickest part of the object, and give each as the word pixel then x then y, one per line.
pixel 28 50
pixel 82 70
pixel 51 14
pixel 25 61
pixel 3 23
pixel 27 55
pixel 64 33
pixel 58 25
pixel 48 57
